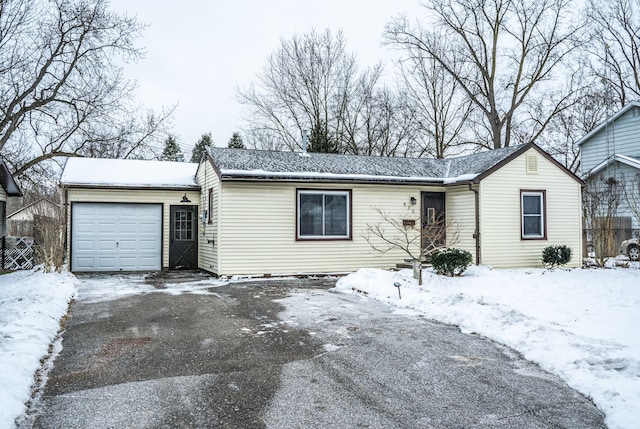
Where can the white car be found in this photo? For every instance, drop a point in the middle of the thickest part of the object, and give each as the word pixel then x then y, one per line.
pixel 631 248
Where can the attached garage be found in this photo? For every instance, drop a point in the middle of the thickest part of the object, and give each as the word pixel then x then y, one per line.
pixel 116 237
pixel 131 215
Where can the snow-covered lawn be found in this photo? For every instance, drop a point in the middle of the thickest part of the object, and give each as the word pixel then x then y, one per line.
pixel 582 325
pixel 31 306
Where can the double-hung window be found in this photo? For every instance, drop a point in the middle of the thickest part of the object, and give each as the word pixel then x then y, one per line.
pixel 533 215
pixel 323 214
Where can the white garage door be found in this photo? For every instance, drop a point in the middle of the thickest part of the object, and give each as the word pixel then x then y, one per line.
pixel 116 237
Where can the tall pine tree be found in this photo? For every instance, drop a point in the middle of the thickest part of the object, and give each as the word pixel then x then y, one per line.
pixel 204 142
pixel 171 149
pixel 235 142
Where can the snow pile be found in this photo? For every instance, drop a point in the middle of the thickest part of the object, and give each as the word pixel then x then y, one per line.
pixel 578 324
pixel 31 306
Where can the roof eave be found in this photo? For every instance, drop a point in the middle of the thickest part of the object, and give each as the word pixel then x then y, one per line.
pixel 131 187
pixel 322 179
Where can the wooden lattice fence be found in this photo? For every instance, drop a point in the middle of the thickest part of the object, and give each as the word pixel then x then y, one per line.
pixel 17 253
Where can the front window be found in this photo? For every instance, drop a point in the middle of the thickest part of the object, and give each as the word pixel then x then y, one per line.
pixel 533 214
pixel 323 214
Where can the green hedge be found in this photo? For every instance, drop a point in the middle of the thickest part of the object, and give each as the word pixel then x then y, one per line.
pixel 451 262
pixel 555 256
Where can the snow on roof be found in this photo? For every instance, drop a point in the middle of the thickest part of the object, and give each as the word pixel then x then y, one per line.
pixel 247 163
pixel 128 173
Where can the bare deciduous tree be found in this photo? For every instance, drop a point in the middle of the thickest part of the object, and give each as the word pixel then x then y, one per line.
pixel 503 54
pixel 615 26
pixel 305 85
pixel 601 198
pixel 405 233
pixel 439 108
pixel 313 83
pixel 62 92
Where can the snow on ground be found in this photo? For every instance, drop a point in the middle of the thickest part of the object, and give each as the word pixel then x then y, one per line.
pixel 31 306
pixel 580 324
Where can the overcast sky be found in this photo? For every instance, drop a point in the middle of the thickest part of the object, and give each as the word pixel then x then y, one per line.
pixel 199 51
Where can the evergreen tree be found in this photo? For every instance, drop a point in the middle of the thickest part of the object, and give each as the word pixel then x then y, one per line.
pixel 321 140
pixel 236 142
pixel 171 149
pixel 204 142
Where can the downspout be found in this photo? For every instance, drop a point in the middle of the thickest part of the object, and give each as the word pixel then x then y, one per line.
pixel 476 234
pixel 67 254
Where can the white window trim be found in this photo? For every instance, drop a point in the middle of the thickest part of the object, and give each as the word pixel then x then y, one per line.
pixel 541 195
pixel 346 194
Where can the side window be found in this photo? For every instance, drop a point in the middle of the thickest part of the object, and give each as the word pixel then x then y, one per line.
pixel 210 206
pixel 323 214
pixel 533 215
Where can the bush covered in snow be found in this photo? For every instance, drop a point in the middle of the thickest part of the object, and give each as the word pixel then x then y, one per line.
pixel 556 256
pixel 451 262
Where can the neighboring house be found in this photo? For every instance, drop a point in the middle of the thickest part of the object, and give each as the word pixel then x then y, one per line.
pixel 8 188
pixel 130 215
pixel 263 212
pixel 610 153
pixel 21 222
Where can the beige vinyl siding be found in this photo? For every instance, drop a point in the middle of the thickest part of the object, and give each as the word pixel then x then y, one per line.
pixel 460 208
pixel 3 194
pixel 209 232
pixel 166 198
pixel 259 233
pixel 501 243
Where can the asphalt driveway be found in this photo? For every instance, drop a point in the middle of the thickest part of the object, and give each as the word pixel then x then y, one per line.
pixel 285 354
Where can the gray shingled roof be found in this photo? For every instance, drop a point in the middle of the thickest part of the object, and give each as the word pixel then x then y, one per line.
pixel 262 164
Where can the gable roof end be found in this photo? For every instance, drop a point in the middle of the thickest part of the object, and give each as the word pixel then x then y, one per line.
pixel 606 122
pixel 521 150
pixel 7 181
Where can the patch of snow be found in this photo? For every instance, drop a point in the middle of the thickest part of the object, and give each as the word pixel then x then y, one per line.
pixel 32 303
pixel 129 173
pixel 579 324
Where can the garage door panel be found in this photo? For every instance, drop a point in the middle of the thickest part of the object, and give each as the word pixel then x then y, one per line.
pixel 116 237
pixel 149 228
pixel 84 263
pixel 84 226
pixel 149 245
pixel 85 245
pixel 149 263
pixel 128 227
pixel 106 263
pixel 108 228
pixel 128 245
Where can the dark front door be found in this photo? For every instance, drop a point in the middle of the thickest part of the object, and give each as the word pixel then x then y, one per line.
pixel 183 241
pixel 434 224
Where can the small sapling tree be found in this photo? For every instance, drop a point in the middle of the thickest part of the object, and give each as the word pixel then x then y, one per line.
pixel 405 233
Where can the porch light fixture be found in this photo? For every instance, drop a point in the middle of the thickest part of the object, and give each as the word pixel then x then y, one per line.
pixel 413 201
pixel 185 199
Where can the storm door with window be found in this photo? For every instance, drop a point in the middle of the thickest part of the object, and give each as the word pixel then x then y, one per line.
pixel 183 240
pixel 433 221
